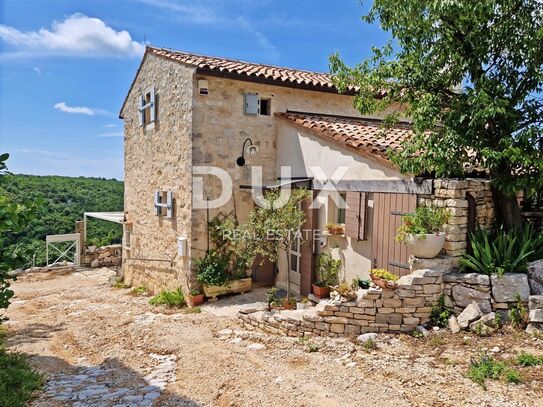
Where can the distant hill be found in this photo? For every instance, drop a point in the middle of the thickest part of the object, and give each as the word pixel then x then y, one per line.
pixel 66 199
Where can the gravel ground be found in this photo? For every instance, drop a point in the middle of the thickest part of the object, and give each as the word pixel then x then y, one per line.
pixel 102 346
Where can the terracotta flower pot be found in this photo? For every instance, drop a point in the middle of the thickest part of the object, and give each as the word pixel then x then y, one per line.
pixel 321 292
pixel 426 246
pixel 382 283
pixel 196 300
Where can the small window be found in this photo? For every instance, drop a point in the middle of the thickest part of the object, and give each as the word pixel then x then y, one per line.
pixel 340 217
pixel 265 107
pixel 164 203
pixel 147 107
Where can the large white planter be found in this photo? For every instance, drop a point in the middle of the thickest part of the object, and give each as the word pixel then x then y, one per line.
pixel 426 246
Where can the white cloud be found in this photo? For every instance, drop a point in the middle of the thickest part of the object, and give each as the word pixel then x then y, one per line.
pixel 112 134
pixel 63 107
pixel 77 35
pixel 110 125
pixel 194 13
pixel 38 70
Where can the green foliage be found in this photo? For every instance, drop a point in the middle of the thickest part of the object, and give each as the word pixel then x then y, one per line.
pixel 276 224
pixel 527 359
pixel 440 314
pixel 500 252
pixel 64 201
pixel 486 367
pixel 360 283
pixel 384 274
pixel 171 299
pixel 312 347
pixel 328 270
pixel 212 269
pixel 18 381
pixel 271 295
pixel 426 220
pixel 468 74
pixel 137 291
pixel 369 345
pixel 518 314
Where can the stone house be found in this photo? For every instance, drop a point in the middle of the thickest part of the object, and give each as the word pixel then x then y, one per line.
pixel 186 112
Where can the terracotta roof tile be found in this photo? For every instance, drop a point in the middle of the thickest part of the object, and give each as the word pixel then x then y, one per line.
pixel 363 134
pixel 247 70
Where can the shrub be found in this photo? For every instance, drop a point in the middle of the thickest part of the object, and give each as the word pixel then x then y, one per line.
pixel 527 359
pixel 486 367
pixel 384 274
pixel 212 269
pixel 518 314
pixel 327 270
pixel 502 252
pixel 18 381
pixel 440 314
pixel 426 219
pixel 369 345
pixel 171 299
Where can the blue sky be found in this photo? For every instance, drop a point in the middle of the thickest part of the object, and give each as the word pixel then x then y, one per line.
pixel 65 66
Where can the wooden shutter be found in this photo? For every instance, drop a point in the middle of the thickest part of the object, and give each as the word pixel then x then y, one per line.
pixel 141 110
pixel 251 103
pixel 152 107
pixel 355 215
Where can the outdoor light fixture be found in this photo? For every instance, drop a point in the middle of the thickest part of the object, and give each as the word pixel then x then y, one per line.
pixel 251 149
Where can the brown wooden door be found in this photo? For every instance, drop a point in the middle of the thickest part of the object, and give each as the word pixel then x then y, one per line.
pixel 388 209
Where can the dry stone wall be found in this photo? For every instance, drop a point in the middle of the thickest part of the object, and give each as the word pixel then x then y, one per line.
pixel 104 256
pixel 375 310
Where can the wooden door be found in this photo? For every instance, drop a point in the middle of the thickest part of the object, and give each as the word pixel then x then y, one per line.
pixel 388 209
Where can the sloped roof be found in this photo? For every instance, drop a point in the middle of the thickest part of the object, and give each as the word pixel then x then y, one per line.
pixel 366 136
pixel 242 70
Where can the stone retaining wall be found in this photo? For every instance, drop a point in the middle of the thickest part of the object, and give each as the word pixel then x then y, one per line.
pixel 375 310
pixel 104 256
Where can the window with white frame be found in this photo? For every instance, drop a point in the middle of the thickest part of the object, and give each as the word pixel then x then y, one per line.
pixel 147 107
pixel 256 105
pixel 164 203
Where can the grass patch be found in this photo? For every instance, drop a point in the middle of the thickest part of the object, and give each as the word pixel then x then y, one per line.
pixel 120 284
pixel 527 359
pixel 369 345
pixel 18 381
pixel 137 291
pixel 171 299
pixel 312 347
pixel 486 367
pixel 192 310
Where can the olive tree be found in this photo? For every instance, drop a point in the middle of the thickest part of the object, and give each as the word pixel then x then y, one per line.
pixel 469 75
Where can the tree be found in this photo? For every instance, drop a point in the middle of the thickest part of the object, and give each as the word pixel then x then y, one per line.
pixel 13 218
pixel 275 228
pixel 469 75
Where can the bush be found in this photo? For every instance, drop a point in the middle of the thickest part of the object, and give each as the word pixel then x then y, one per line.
pixel 425 220
pixel 502 252
pixel 384 274
pixel 327 270
pixel 171 299
pixel 18 381
pixel 212 269
pixel 440 314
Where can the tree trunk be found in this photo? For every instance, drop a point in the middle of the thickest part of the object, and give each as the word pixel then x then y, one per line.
pixel 288 272
pixel 507 210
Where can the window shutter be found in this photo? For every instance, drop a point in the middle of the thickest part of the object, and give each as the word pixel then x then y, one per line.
pixel 251 103
pixel 355 215
pixel 158 208
pixel 152 108
pixel 141 110
pixel 169 203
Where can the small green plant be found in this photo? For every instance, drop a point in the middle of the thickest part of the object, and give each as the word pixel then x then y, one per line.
pixel 138 290
pixel 271 295
pixel 18 381
pixel 527 359
pixel 518 314
pixel 192 310
pixel 369 345
pixel 360 283
pixel 498 320
pixel 212 269
pixel 384 274
pixel 171 299
pixel 119 283
pixel 486 367
pixel 312 347
pixel 417 334
pixel 328 270
pixel 500 252
pixel 440 314
pixel 426 220
pixel 194 292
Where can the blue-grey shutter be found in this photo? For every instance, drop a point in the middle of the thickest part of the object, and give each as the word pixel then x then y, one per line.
pixel 152 108
pixel 169 203
pixel 141 112
pixel 158 208
pixel 251 103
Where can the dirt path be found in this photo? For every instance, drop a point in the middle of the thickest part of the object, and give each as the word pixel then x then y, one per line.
pixel 100 346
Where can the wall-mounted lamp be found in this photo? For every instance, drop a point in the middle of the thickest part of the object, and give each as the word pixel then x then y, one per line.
pixel 251 149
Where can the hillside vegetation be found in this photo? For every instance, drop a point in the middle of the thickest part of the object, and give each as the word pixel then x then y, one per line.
pixel 65 200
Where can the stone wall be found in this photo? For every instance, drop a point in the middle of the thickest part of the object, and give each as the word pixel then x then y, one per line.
pixel 453 194
pixel 105 256
pixel 158 157
pixel 375 310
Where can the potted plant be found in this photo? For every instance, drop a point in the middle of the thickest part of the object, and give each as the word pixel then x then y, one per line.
pixel 344 292
pixel 196 297
pixel 327 271
pixel 335 228
pixel 421 230
pixel 384 279
pixel 360 283
pixel 302 304
pixel 276 303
